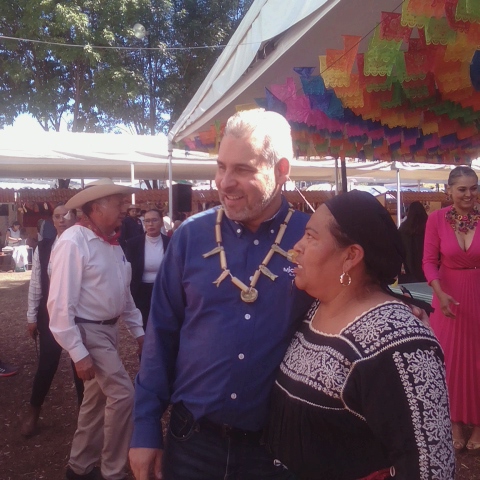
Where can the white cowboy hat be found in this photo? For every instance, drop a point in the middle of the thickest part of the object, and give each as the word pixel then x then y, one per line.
pixel 133 207
pixel 98 189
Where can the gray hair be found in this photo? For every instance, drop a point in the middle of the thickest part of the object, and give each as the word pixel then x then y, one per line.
pixel 87 208
pixel 462 171
pixel 270 133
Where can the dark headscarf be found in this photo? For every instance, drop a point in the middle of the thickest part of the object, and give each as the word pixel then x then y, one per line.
pixel 365 221
pixel 362 219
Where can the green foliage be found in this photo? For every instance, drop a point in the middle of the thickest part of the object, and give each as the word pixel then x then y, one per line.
pixel 97 89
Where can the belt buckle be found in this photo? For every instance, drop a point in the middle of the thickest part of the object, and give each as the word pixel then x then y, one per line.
pixel 226 430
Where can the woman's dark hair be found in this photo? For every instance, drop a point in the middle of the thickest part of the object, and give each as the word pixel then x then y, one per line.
pixel 343 241
pixel 72 211
pixel 359 218
pixel 416 220
pixel 462 171
pixel 160 213
pixel 16 223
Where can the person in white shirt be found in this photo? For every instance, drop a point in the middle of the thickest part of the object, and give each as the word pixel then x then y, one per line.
pixel 145 253
pixel 13 236
pixel 38 321
pixel 89 291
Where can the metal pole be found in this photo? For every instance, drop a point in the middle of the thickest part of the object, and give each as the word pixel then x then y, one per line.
pixel 336 176
pixel 399 200
pixel 343 167
pixel 170 181
pixel 132 180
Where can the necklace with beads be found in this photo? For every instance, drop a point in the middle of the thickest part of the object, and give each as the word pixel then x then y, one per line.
pixel 248 293
pixel 462 223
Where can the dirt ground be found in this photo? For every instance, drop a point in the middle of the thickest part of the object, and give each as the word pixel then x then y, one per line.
pixel 44 456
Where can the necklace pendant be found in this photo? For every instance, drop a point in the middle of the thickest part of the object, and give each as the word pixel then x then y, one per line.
pixel 250 295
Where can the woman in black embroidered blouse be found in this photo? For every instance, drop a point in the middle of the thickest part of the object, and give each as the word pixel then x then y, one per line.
pixel 361 391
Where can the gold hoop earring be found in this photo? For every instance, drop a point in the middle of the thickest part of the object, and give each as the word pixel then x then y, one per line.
pixel 345 279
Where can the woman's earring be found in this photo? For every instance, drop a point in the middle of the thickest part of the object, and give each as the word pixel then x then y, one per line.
pixel 345 279
pixel 447 197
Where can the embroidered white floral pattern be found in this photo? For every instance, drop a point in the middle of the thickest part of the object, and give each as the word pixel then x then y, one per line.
pixel 320 367
pixel 385 353
pixel 383 326
pixel 422 376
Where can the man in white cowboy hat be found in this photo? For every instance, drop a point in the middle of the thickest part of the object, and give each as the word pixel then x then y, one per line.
pixel 132 226
pixel 89 291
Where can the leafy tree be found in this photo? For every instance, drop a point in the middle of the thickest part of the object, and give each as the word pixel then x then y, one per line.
pixel 97 89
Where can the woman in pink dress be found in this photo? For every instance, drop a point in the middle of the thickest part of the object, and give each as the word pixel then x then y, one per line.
pixel 451 263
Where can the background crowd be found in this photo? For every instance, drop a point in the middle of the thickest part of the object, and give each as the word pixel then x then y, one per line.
pixel 273 334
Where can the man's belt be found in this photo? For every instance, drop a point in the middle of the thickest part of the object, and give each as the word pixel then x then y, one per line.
pixel 227 431
pixel 110 321
pixel 224 431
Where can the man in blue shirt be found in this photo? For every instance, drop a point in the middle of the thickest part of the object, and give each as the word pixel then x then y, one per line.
pixel 223 312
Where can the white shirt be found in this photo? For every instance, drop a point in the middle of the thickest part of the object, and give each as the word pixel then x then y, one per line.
pixel 153 258
pixel 13 234
pixel 35 287
pixel 90 279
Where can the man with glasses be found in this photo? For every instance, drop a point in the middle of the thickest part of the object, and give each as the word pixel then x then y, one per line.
pixel 145 253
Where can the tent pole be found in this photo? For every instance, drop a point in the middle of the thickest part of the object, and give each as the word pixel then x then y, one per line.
pixel 336 175
pixel 170 181
pixel 132 180
pixel 343 166
pixel 399 200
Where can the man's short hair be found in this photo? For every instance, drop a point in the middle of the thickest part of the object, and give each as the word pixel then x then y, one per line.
pixel 270 133
pixel 87 208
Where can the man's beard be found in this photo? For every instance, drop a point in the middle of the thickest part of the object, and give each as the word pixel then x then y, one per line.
pixel 249 213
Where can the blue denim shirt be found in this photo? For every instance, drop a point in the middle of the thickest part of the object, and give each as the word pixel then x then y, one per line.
pixel 204 346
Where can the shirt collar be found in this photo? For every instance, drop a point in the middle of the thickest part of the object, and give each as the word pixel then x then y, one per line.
pixel 86 222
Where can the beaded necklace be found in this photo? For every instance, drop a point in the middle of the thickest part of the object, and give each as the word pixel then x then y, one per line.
pixel 248 293
pixel 462 223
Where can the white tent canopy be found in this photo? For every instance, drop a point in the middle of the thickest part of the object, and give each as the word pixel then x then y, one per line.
pixel 91 155
pixel 298 32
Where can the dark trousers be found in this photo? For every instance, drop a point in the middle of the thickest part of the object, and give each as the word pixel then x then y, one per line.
pixel 142 299
pixel 195 451
pixel 49 358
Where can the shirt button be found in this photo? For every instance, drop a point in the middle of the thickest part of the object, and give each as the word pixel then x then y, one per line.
pixel 272 231
pixel 256 242
pixel 241 356
pixel 239 230
pixel 233 396
pixel 248 316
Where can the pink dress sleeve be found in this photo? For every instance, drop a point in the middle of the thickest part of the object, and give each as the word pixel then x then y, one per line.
pixel 431 249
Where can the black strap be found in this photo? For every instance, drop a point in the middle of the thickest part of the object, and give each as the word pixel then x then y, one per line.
pixel 409 300
pixel 110 321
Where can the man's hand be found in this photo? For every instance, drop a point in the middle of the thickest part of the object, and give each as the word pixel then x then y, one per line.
pixel 144 460
pixel 140 344
pixel 85 369
pixel 421 314
pixel 32 330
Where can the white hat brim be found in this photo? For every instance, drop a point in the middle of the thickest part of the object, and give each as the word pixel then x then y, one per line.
pixel 97 191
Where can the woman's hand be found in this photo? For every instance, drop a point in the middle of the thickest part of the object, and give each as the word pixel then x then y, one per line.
pixel 445 302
